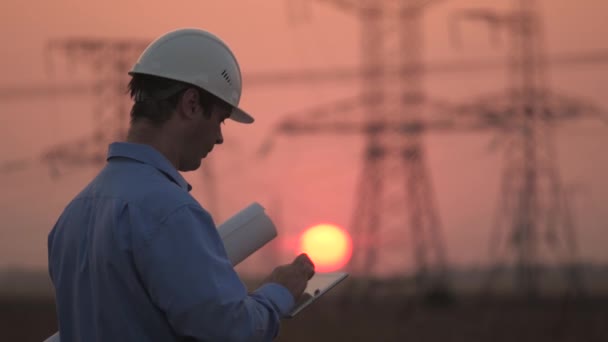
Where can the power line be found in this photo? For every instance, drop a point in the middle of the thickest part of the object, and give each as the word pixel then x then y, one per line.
pixel 309 77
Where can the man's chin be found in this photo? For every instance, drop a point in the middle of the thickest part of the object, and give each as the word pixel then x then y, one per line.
pixel 191 167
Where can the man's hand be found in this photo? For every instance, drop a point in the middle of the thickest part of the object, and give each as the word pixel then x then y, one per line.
pixel 293 276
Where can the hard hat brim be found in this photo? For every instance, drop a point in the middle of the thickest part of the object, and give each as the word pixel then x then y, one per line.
pixel 241 116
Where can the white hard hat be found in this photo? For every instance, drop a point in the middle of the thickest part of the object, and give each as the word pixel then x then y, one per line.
pixel 199 58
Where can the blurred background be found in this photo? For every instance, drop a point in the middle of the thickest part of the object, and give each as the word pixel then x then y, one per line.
pixel 460 144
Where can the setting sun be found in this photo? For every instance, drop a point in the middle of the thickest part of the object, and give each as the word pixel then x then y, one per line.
pixel 328 246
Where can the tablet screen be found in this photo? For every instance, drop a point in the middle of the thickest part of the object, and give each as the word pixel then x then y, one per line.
pixel 318 285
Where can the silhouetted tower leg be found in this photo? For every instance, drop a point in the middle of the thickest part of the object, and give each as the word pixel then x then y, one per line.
pixel 366 222
pixel 425 226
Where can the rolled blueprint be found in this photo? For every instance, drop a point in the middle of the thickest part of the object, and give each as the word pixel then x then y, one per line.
pixel 246 232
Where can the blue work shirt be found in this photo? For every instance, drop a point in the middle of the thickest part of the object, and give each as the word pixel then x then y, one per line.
pixel 134 257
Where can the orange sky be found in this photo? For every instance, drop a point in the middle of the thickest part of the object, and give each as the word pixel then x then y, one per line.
pixel 318 184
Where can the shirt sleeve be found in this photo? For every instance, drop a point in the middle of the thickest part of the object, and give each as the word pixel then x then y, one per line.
pixel 188 276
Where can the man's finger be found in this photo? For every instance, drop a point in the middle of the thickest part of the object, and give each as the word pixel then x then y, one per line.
pixel 307 266
pixel 304 259
pixel 308 269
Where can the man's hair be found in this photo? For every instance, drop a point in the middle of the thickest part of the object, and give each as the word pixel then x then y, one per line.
pixel 155 98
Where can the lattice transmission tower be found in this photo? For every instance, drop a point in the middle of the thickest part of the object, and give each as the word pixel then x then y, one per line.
pixel 109 60
pixel 534 225
pixel 395 208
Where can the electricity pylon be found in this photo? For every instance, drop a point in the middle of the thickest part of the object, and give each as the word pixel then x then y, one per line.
pixel 533 223
pixel 394 190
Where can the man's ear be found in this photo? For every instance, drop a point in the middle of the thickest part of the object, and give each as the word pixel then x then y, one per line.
pixel 189 103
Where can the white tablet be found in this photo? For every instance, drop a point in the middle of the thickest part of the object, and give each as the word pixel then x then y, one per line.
pixel 318 285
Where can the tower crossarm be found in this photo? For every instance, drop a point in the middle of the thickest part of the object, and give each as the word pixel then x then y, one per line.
pixel 97 53
pixel 340 119
pixel 499 110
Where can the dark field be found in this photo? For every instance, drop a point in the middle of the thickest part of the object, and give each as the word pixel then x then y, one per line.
pixel 465 320
pixel 393 319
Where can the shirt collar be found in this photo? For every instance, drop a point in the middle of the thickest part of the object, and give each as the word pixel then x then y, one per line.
pixel 148 155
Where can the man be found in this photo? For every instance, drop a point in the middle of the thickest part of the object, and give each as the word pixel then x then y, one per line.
pixel 134 257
